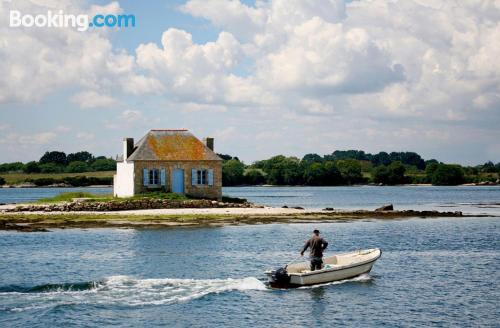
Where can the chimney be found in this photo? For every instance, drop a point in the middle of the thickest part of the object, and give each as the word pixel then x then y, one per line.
pixel 128 147
pixel 209 142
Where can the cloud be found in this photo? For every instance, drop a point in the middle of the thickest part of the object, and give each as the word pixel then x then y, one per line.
pixel 41 138
pixel 85 135
pixel 93 99
pixel 131 115
pixel 415 68
pixel 39 61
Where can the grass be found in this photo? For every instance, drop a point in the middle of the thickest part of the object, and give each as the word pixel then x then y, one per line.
pixel 69 196
pixel 16 177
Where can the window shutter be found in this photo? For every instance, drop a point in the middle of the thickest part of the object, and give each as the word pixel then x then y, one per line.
pixel 210 177
pixel 193 177
pixel 145 177
pixel 163 177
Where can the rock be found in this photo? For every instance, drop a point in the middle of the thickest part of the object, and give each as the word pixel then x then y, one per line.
pixel 328 209
pixel 298 208
pixel 388 207
pixel 284 206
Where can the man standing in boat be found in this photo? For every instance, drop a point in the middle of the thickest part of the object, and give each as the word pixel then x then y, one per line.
pixel 317 245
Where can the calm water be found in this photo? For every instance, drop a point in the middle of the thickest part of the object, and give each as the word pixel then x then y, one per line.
pixel 484 199
pixel 433 272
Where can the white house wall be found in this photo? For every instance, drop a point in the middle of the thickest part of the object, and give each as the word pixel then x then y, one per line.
pixel 123 180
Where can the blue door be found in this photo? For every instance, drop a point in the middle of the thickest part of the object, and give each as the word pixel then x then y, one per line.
pixel 178 181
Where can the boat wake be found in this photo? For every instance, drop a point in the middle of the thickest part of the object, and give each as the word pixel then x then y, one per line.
pixel 120 291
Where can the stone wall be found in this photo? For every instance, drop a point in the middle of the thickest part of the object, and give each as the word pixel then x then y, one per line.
pixel 129 204
pixel 201 191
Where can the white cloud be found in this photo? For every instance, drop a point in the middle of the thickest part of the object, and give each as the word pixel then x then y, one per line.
pixel 131 115
pixel 93 99
pixel 41 138
pixel 413 67
pixel 39 61
pixel 85 135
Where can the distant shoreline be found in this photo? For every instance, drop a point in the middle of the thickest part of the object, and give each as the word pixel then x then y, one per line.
pixel 478 184
pixel 198 217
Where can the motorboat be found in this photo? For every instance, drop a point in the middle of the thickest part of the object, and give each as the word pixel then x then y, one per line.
pixel 337 267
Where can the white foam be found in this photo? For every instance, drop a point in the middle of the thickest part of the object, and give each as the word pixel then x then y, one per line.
pixel 129 291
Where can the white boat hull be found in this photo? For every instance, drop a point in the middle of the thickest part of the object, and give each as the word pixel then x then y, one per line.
pixel 337 267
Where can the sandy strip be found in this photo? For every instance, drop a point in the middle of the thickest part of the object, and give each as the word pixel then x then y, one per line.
pixel 183 211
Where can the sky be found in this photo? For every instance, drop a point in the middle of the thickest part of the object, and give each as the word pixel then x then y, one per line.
pixel 262 77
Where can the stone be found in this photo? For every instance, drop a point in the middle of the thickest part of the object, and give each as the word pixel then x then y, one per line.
pixel 328 209
pixel 388 207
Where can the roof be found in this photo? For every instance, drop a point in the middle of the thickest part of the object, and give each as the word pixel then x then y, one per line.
pixel 171 145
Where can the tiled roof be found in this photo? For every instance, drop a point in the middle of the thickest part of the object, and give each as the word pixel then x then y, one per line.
pixel 171 145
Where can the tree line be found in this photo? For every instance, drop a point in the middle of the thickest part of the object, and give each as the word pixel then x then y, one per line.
pixel 59 162
pixel 353 167
pixel 342 167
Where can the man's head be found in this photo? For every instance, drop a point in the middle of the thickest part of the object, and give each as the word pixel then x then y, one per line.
pixel 316 232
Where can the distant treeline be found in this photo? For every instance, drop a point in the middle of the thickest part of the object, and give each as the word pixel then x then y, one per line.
pixel 341 167
pixel 353 167
pixel 59 162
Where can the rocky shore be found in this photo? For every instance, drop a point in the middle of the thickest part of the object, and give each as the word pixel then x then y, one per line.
pixel 127 205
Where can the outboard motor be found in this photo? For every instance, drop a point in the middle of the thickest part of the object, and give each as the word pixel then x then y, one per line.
pixel 280 278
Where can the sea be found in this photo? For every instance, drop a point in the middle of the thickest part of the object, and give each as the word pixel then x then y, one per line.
pixel 434 272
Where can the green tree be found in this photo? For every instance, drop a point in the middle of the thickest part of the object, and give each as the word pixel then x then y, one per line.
pixel 12 167
pixel 50 168
pixel 315 174
pixel 77 167
pixel 430 168
pixel 56 157
pixel 390 175
pixel 350 170
pixel 2 181
pixel 254 177
pixel 232 172
pixel 282 170
pixel 382 158
pixel 104 164
pixel 32 167
pixel 447 175
pixel 311 158
pixel 81 156
pixel 333 176
pixel 488 167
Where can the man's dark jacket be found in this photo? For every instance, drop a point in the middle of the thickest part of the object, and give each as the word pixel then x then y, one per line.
pixel 317 245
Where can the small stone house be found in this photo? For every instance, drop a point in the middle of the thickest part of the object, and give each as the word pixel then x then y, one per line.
pixel 169 160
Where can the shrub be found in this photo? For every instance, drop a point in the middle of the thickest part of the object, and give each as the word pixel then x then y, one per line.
pixel 232 172
pixel 254 177
pixel 50 168
pixel 44 182
pixel 81 156
pixel 56 157
pixel 31 167
pixel 11 167
pixel 104 164
pixel 448 175
pixel 77 167
pixel 2 181
pixel 391 175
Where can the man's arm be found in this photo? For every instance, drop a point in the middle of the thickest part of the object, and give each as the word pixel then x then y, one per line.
pixel 325 244
pixel 306 246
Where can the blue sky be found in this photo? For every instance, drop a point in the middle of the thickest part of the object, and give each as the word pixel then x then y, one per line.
pixel 263 78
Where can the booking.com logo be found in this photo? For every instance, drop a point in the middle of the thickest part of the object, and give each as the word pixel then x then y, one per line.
pixel 60 19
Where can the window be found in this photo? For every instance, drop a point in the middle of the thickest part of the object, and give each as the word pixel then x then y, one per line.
pixel 202 177
pixel 154 176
